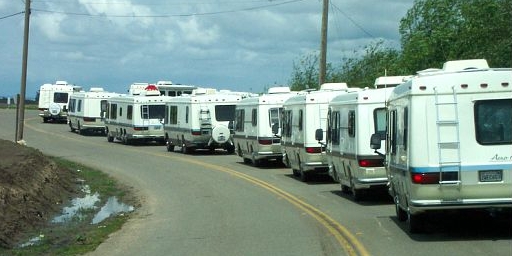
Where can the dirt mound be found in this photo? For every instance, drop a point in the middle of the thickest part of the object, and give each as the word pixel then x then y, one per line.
pixel 32 189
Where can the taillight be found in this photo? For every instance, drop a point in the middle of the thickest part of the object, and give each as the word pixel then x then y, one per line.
pixel 312 150
pixel 196 133
pixel 265 142
pixel 371 162
pixel 140 128
pixel 89 119
pixel 425 178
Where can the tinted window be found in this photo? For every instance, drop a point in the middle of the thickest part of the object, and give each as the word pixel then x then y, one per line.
pixel 60 97
pixel 152 111
pixel 493 121
pixel 225 112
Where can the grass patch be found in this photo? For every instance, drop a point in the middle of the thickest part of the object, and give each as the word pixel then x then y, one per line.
pixel 78 235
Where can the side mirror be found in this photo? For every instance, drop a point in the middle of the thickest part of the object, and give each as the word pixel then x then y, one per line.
pixel 319 134
pixel 375 141
pixel 231 125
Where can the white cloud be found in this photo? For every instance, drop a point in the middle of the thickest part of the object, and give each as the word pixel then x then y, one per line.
pixel 50 26
pixel 120 11
pixel 193 33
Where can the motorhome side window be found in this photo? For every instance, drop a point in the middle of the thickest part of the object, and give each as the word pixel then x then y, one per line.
pixel 173 115
pixel 352 123
pixel 392 132
pixel 287 123
pixel 103 105
pixel 336 127
pixel 329 126
pixel 275 116
pixel 129 112
pixel 406 127
pixel 72 103
pixel 186 115
pixel 113 111
pixel 379 121
pixel 254 117
pixel 239 120
pixel 60 97
pixel 493 121
pixel 79 106
pixel 225 112
pixel 300 120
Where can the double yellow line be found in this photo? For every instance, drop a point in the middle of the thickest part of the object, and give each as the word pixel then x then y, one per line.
pixel 347 240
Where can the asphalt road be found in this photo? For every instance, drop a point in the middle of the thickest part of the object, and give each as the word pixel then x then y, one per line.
pixel 213 204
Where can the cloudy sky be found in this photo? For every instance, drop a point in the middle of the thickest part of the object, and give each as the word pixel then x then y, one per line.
pixel 242 45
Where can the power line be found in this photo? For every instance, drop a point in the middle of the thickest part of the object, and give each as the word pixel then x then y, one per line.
pixel 11 15
pixel 169 15
pixel 352 20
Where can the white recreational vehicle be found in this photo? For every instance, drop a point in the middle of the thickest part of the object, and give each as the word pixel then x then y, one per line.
pixel 255 119
pixel 87 110
pixel 200 120
pixel 139 117
pixel 449 140
pixel 53 100
pixel 351 121
pixel 302 115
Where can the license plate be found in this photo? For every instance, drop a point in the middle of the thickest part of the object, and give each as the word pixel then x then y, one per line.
pixel 157 127
pixel 490 176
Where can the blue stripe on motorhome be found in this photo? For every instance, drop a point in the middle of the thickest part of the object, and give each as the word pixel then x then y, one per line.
pixel 463 168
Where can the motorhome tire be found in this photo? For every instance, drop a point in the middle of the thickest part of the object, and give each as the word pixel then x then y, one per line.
pixel 79 128
pixel 356 193
pixel 401 214
pixel 415 223
pixel 303 176
pixel 185 149
pixel 71 127
pixel 170 147
pixel 110 138
pixel 230 149
pixel 345 189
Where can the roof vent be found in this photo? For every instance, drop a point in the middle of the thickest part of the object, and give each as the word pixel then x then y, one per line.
pixel 460 65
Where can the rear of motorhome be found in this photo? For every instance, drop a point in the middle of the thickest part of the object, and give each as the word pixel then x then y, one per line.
pixel 302 115
pixel 351 120
pixel 136 118
pixel 53 100
pixel 200 120
pixel 449 140
pixel 87 110
pixel 255 119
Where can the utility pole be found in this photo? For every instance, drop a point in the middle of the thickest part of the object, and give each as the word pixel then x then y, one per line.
pixel 21 104
pixel 323 44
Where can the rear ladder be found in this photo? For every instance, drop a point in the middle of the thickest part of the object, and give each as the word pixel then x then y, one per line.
pixel 448 140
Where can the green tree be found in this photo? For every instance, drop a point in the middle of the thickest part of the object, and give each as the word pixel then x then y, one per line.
pixel 305 74
pixel 434 31
pixel 376 61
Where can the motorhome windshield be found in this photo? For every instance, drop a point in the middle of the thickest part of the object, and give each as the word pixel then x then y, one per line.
pixel 225 112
